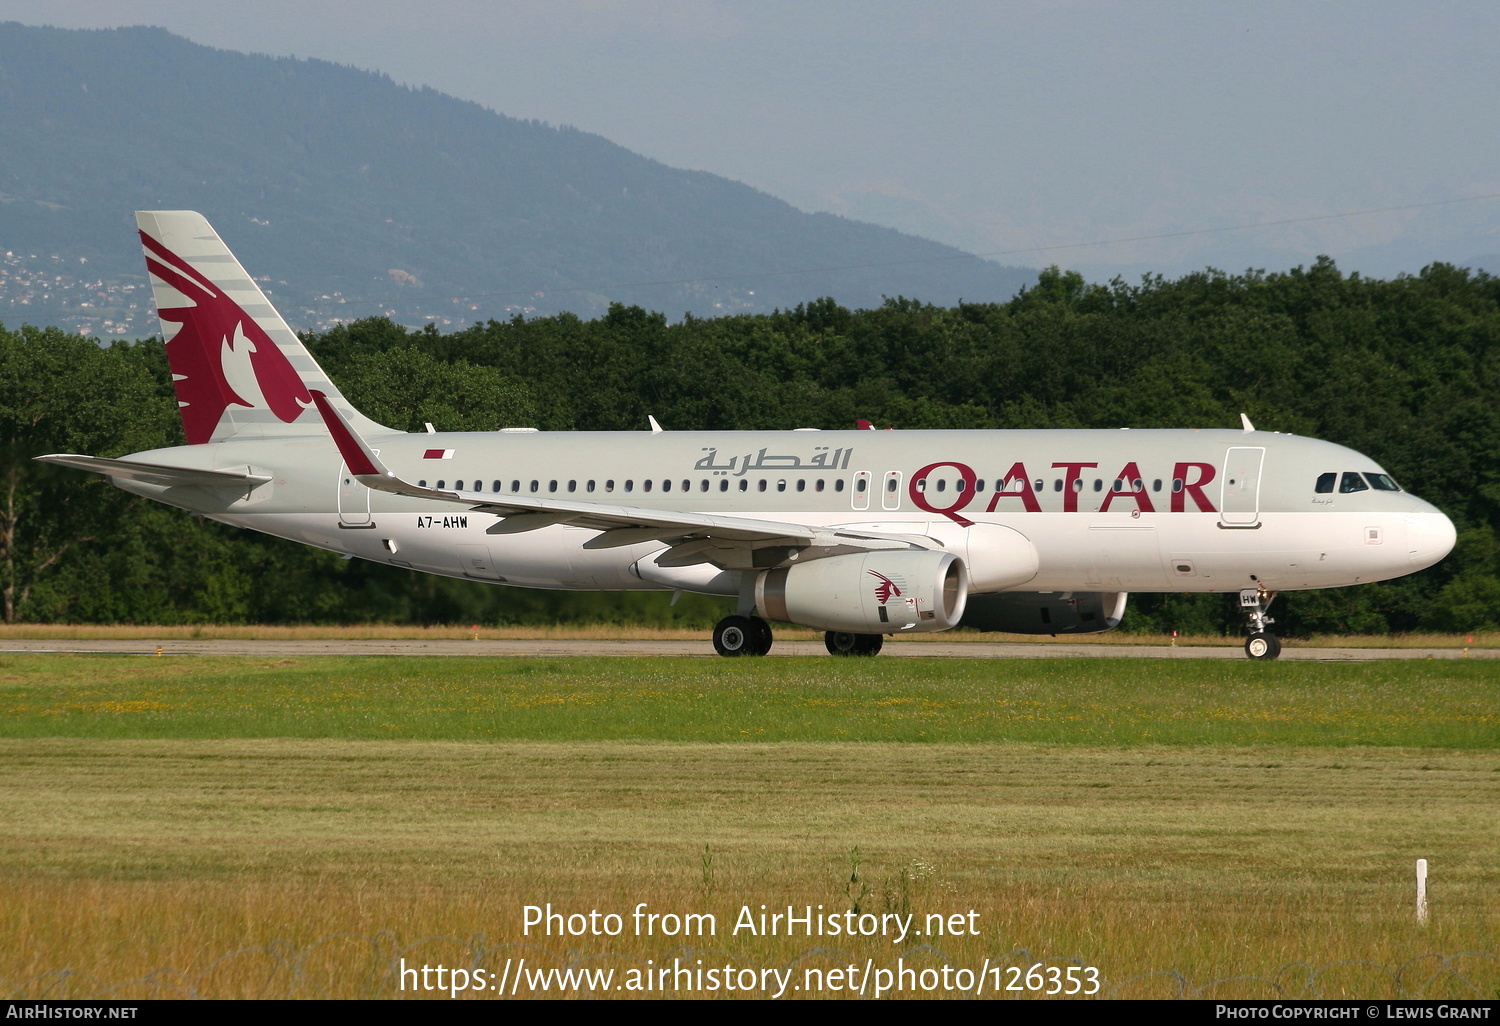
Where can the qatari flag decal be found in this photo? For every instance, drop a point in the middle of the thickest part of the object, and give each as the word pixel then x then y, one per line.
pixel 438 454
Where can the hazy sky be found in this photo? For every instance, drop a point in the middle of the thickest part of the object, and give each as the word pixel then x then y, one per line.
pixel 992 126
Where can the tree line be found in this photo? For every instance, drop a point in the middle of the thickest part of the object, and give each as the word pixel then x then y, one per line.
pixel 1404 370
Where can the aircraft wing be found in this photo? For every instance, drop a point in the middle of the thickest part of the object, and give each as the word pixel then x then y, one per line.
pixel 728 542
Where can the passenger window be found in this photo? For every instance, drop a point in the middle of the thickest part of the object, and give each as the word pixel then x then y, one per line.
pixel 645 485
pixel 1176 484
pixel 497 486
pixel 704 485
pixel 1098 485
pixel 687 486
pixel 551 486
pixel 921 485
pixel 979 485
pixel 1382 482
pixel 819 485
pixel 761 484
pixel 422 484
pixel 838 485
pixel 572 486
pixel 591 486
pixel 1057 485
pixel 942 484
pixel 440 484
pixel 781 486
pixel 1325 483
pixel 536 485
pixel 629 486
pixel 609 486
pixel 744 485
pixel 458 486
pixel 1156 485
pixel 724 485
pixel 1352 482
pixel 859 486
pixel 802 485
pixel 890 485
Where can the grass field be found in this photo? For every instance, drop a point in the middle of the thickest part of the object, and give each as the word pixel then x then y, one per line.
pixel 243 827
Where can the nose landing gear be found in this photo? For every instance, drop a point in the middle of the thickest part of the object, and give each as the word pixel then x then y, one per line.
pixel 1261 643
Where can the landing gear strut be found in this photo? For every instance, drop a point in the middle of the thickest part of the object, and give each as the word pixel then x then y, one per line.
pixel 1261 643
pixel 844 643
pixel 742 635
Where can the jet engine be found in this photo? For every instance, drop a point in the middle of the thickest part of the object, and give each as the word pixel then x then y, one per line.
pixel 868 593
pixel 1062 612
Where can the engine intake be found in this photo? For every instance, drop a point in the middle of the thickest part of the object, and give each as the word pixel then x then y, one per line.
pixel 868 593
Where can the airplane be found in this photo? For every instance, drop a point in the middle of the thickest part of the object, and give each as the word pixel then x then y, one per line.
pixel 859 534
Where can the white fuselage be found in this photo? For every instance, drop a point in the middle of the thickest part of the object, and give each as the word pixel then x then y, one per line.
pixel 1154 511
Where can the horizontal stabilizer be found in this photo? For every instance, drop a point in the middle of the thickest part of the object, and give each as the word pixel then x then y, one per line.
pixel 158 474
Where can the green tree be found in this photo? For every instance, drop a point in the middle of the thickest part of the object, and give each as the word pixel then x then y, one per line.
pixel 61 393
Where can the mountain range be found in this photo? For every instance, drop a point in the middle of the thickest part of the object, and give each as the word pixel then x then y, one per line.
pixel 353 196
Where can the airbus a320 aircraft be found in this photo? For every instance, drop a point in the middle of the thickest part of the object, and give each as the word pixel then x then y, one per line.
pixel 860 534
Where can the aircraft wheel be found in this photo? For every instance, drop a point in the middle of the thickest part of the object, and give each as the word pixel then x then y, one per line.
pixel 763 636
pixel 736 636
pixel 1262 646
pixel 841 643
pixel 847 643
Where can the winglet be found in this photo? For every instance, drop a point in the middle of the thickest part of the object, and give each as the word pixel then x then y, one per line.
pixel 1245 421
pixel 358 457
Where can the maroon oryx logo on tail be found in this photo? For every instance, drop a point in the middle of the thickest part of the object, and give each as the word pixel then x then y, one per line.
pixel 219 356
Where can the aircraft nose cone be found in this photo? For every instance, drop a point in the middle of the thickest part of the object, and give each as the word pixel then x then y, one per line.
pixel 1430 537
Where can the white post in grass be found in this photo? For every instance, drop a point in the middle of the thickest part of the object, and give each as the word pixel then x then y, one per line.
pixel 1421 892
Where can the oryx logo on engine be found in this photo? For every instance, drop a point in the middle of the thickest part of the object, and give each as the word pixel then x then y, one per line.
pixel 887 589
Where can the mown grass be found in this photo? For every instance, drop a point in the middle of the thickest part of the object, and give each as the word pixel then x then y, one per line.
pixel 1117 702
pixel 307 867
pixel 240 827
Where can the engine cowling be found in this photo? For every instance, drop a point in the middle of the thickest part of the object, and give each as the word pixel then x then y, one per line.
pixel 1063 612
pixel 868 593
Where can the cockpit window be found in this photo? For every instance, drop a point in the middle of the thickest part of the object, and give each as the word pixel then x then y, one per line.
pixel 1352 482
pixel 1382 483
pixel 1325 482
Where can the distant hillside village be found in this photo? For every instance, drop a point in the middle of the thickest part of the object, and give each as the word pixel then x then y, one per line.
pixel 64 292
pixel 48 289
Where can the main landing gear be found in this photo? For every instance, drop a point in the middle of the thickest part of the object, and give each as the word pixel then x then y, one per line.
pixel 742 635
pixel 1261 643
pixel 751 636
pixel 843 643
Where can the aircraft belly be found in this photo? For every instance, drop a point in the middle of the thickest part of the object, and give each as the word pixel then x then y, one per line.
pixel 1083 552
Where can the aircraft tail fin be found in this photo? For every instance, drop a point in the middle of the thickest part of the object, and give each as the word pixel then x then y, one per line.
pixel 237 368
